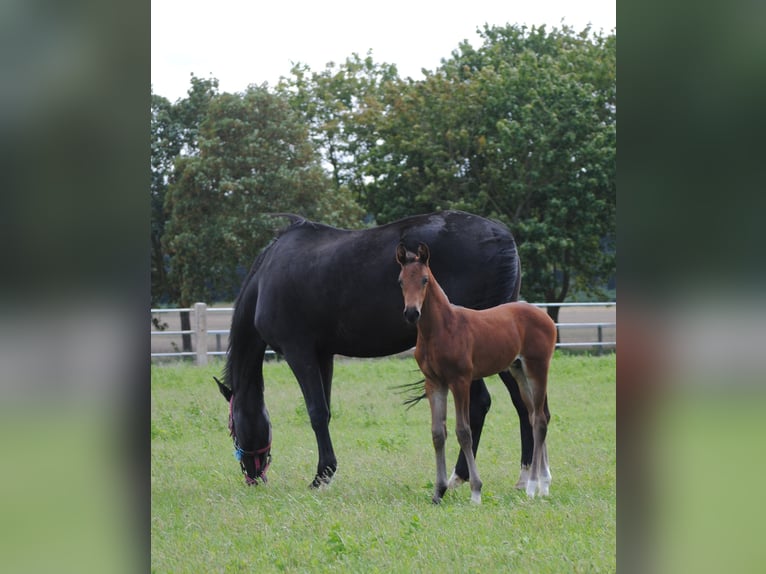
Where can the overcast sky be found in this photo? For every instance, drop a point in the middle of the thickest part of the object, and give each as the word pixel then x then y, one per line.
pixel 242 42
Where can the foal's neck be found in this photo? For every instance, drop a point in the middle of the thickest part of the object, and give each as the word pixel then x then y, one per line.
pixel 436 310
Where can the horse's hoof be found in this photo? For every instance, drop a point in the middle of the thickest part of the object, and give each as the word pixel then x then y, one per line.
pixel 476 497
pixel 323 479
pixel 531 488
pixel 320 481
pixel 436 499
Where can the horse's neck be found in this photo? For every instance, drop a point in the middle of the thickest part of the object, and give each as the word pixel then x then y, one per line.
pixel 252 400
pixel 436 312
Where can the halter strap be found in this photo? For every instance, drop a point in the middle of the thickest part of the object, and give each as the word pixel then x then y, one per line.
pixel 239 452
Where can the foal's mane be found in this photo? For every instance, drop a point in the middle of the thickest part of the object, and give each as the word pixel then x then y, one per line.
pixel 411 258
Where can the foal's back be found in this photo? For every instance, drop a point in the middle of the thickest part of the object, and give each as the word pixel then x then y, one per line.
pixel 501 334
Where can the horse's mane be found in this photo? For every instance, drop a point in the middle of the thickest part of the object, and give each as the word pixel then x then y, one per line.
pixel 295 221
pixel 294 218
pixel 240 356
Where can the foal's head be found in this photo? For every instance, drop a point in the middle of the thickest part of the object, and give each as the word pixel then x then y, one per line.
pixel 413 279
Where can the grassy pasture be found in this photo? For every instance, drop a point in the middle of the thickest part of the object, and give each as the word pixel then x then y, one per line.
pixel 377 515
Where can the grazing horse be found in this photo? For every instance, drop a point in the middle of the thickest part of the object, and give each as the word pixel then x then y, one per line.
pixel 300 299
pixel 456 345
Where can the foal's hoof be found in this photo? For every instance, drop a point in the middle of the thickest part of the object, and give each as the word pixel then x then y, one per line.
pixel 455 481
pixel 521 484
pixel 438 494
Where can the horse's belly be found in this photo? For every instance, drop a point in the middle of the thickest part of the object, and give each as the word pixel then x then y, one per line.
pixel 369 345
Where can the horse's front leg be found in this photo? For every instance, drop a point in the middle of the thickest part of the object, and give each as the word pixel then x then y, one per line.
pixel 308 369
pixel 437 398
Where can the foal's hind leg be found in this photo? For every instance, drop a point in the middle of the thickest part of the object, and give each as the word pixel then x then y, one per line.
pixel 532 378
pixel 525 427
pixel 437 398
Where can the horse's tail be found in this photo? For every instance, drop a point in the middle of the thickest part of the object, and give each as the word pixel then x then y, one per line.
pixel 517 289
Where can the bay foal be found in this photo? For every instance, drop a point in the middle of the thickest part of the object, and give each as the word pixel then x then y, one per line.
pixel 456 345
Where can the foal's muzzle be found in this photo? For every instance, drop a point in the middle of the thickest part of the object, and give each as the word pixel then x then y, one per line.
pixel 411 315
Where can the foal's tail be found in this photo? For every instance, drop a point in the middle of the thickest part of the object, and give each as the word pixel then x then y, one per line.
pixel 418 388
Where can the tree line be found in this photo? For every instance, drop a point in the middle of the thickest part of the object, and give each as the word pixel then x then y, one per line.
pixel 521 129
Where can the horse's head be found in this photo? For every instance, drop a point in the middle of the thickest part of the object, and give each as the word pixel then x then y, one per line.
pixel 250 428
pixel 413 279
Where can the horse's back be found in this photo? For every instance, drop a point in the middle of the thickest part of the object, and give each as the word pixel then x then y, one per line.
pixel 336 289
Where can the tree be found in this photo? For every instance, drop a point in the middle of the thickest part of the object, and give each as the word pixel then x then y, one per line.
pixel 174 129
pixel 253 157
pixel 340 106
pixel 165 146
pixel 522 129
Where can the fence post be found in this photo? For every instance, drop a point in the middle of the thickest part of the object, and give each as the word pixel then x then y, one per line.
pixel 200 331
pixel 600 340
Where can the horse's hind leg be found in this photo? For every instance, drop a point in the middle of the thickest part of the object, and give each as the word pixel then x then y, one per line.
pixel 308 369
pixel 480 403
pixel 437 398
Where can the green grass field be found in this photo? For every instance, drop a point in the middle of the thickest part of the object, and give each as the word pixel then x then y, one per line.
pixel 377 514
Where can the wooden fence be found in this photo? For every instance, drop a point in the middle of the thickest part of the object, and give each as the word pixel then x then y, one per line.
pixel 209 330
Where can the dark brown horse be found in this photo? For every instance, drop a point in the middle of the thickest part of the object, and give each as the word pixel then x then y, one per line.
pixel 456 345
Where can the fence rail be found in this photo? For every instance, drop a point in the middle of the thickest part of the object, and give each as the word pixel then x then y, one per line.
pixel 210 333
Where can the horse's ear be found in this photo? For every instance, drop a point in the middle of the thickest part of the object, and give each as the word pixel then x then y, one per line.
pixel 225 391
pixel 424 253
pixel 401 254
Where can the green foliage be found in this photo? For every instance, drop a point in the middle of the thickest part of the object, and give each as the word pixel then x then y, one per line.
pixel 377 515
pixel 253 157
pixel 522 129
pixel 174 129
pixel 165 145
pixel 341 107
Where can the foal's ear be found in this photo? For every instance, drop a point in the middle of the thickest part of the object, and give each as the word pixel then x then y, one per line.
pixel 401 254
pixel 225 391
pixel 423 253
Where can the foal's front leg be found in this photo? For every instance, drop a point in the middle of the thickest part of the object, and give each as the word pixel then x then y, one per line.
pixel 460 392
pixel 437 398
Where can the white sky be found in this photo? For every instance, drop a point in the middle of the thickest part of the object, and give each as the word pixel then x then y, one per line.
pixel 243 42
